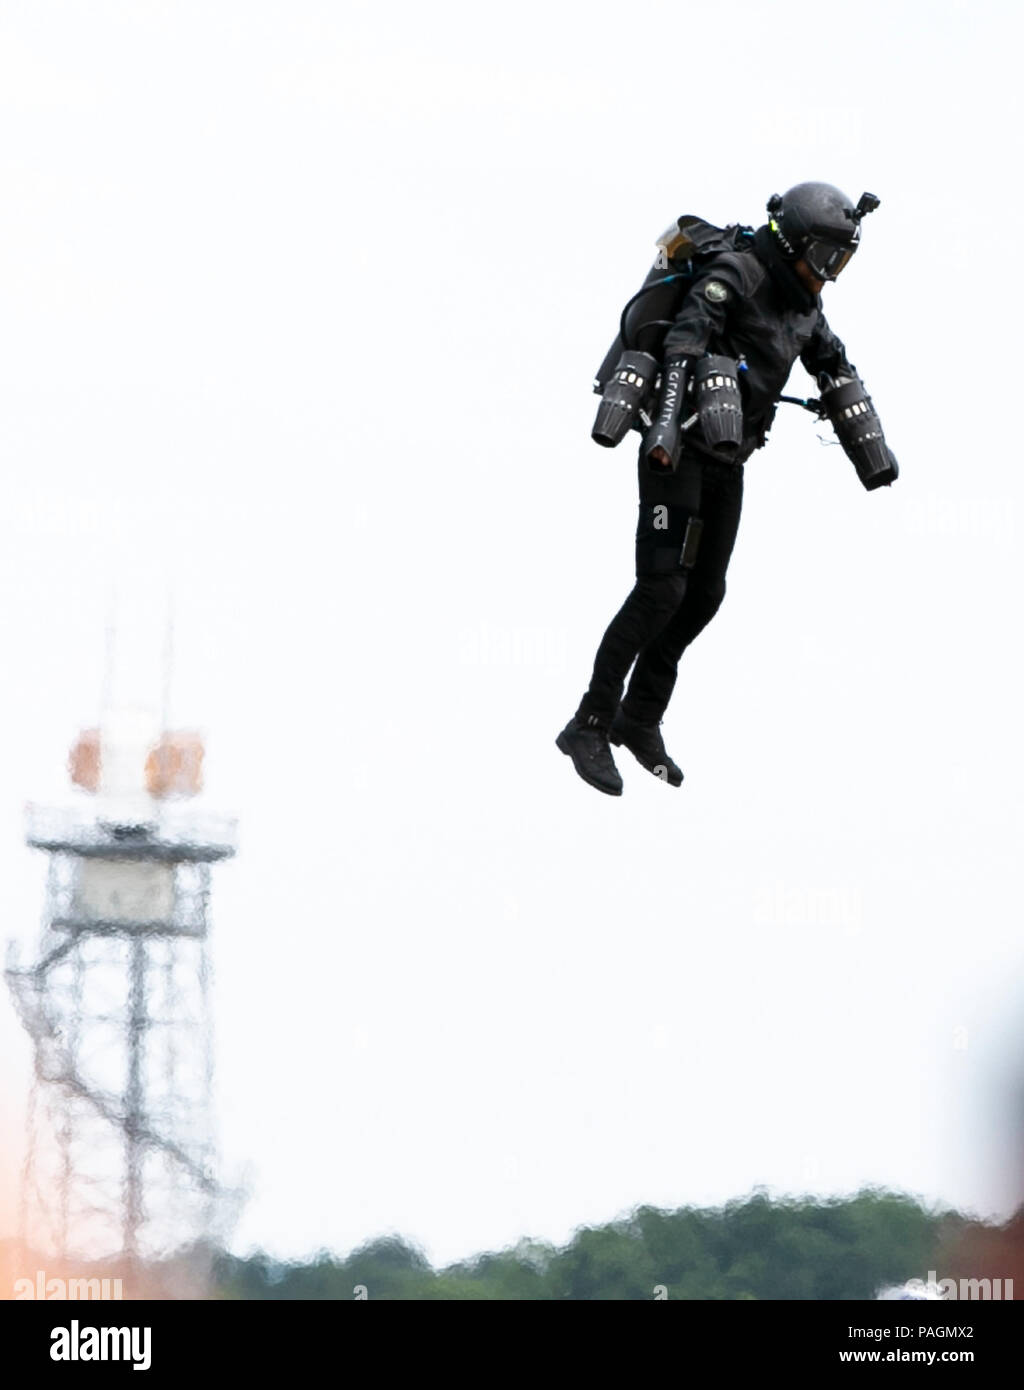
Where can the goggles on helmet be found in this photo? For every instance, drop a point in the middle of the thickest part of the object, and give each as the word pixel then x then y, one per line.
pixel 827 258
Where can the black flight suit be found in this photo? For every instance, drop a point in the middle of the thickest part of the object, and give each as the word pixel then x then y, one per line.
pixel 748 303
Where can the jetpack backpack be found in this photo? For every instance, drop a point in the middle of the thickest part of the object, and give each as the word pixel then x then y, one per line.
pixel 647 317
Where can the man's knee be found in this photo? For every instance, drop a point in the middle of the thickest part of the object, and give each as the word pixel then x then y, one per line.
pixel 715 594
pixel 705 599
pixel 661 593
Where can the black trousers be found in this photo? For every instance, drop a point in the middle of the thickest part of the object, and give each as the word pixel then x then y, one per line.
pixel 679 586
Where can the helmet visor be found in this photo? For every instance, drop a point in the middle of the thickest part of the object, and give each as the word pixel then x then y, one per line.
pixel 827 258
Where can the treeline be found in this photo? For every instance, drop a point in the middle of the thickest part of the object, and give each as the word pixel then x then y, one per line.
pixel 757 1248
pixel 752 1249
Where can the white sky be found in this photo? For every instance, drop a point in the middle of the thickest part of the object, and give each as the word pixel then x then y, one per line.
pixel 299 308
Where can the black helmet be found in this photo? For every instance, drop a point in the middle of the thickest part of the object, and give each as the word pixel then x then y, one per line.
pixel 819 224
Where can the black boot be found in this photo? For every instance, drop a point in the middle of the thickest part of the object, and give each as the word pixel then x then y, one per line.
pixel 587 745
pixel 646 744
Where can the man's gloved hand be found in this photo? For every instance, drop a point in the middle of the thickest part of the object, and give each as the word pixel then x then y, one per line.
pixel 661 447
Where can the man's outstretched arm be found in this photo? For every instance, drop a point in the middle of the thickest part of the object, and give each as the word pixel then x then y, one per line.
pixel 825 356
pixel 845 401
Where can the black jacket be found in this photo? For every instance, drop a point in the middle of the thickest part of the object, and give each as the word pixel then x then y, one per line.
pixel 751 302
